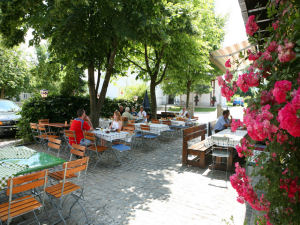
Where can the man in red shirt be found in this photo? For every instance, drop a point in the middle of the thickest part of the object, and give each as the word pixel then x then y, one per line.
pixel 80 124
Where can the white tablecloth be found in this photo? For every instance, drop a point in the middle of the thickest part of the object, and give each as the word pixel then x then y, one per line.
pixel 103 123
pixel 154 127
pixel 111 135
pixel 234 137
pixel 177 123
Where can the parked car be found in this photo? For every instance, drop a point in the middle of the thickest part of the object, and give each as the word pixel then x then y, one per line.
pixel 8 116
pixel 238 101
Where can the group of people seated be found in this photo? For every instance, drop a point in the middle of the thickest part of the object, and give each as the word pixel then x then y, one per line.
pixel 83 123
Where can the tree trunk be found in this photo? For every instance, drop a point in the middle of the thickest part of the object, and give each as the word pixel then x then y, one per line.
pixel 188 90
pixel 109 71
pixel 153 99
pixel 93 94
pixel 2 93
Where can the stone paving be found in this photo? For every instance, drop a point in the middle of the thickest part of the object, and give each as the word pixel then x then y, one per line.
pixel 152 187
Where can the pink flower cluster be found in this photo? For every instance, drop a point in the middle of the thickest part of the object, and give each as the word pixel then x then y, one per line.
pixel 241 183
pixel 253 57
pixel 286 53
pixel 226 90
pixel 291 187
pixel 266 97
pixel 258 123
pixel 247 80
pixel 227 63
pixel 251 25
pixel 235 124
pixel 288 118
pixel 281 137
pixel 244 149
pixel 280 90
pixel 275 25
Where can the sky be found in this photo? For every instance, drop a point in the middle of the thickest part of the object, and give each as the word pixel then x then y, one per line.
pixel 234 29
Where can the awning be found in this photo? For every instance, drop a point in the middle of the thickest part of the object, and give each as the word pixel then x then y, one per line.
pixel 219 57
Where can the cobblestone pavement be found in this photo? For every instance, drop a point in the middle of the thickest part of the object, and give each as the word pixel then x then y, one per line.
pixel 152 187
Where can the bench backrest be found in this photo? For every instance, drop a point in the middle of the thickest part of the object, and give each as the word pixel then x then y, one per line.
pixel 194 132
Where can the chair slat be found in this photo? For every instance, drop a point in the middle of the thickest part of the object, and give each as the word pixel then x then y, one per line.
pixel 27 178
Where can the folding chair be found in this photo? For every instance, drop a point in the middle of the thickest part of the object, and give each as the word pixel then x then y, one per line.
pixel 35 132
pixel 69 135
pixel 25 204
pixel 169 133
pixel 155 121
pixel 44 135
pixel 220 150
pixel 147 135
pixel 43 121
pixel 118 148
pixel 54 144
pixel 66 188
pixel 77 150
pixel 97 149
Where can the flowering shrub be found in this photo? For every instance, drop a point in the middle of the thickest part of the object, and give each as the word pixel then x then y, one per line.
pixel 272 116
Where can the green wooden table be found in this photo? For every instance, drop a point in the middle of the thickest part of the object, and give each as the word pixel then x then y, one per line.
pixel 38 161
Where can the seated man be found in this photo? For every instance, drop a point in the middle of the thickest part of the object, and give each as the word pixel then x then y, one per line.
pixel 223 121
pixel 133 112
pixel 80 124
pixel 127 114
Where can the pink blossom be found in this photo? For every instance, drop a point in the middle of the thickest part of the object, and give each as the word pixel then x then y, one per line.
pixel 287 116
pixel 285 53
pixel 241 183
pixel 266 97
pixel 242 83
pixel 290 186
pixel 220 80
pixel 244 148
pixel 228 76
pixel 272 46
pixel 251 26
pixel 267 56
pixel 275 25
pixel 281 137
pixel 235 124
pixel 280 90
pixel 254 57
pixel 227 63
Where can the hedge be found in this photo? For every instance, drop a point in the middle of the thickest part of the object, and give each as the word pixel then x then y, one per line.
pixel 59 109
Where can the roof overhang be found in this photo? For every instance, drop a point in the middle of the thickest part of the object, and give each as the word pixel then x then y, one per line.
pixel 219 57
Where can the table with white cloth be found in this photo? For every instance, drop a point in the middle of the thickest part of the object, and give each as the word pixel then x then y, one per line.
pixel 177 123
pixel 234 140
pixel 111 135
pixel 155 128
pixel 104 123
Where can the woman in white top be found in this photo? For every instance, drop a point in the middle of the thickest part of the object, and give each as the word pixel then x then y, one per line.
pixel 117 122
pixel 142 114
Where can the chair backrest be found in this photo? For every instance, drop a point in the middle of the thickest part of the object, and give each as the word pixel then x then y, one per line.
pixel 70 133
pixel 41 121
pixel 26 182
pixel 54 143
pixel 145 127
pixel 131 121
pixel 42 128
pixel 34 128
pixel 195 117
pixel 128 129
pixel 194 132
pixel 78 150
pixel 167 122
pixel 124 118
pixel 155 121
pixel 89 136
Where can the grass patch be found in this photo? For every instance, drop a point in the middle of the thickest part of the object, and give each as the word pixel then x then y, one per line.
pixel 177 109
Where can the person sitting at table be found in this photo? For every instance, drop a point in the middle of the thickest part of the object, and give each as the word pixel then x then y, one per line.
pixel 184 113
pixel 80 124
pixel 133 112
pixel 117 122
pixel 142 114
pixel 127 114
pixel 223 121
pixel 121 109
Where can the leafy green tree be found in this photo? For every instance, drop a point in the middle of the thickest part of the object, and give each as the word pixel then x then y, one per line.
pixel 94 34
pixel 14 72
pixel 192 66
pixel 135 90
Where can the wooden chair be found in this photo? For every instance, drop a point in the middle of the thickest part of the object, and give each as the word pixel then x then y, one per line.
pixel 42 121
pixel 147 135
pixel 54 144
pixel 35 132
pixel 131 122
pixel 59 191
pixel 155 121
pixel 199 150
pixel 25 204
pixel 78 151
pixel 44 135
pixel 69 135
pixel 97 149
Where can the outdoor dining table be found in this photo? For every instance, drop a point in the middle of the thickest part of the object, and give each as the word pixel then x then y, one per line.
pixel 234 140
pixel 15 161
pixel 104 123
pixel 155 128
pixel 110 136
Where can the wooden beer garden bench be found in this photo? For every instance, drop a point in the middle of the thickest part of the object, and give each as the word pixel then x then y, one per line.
pixel 199 150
